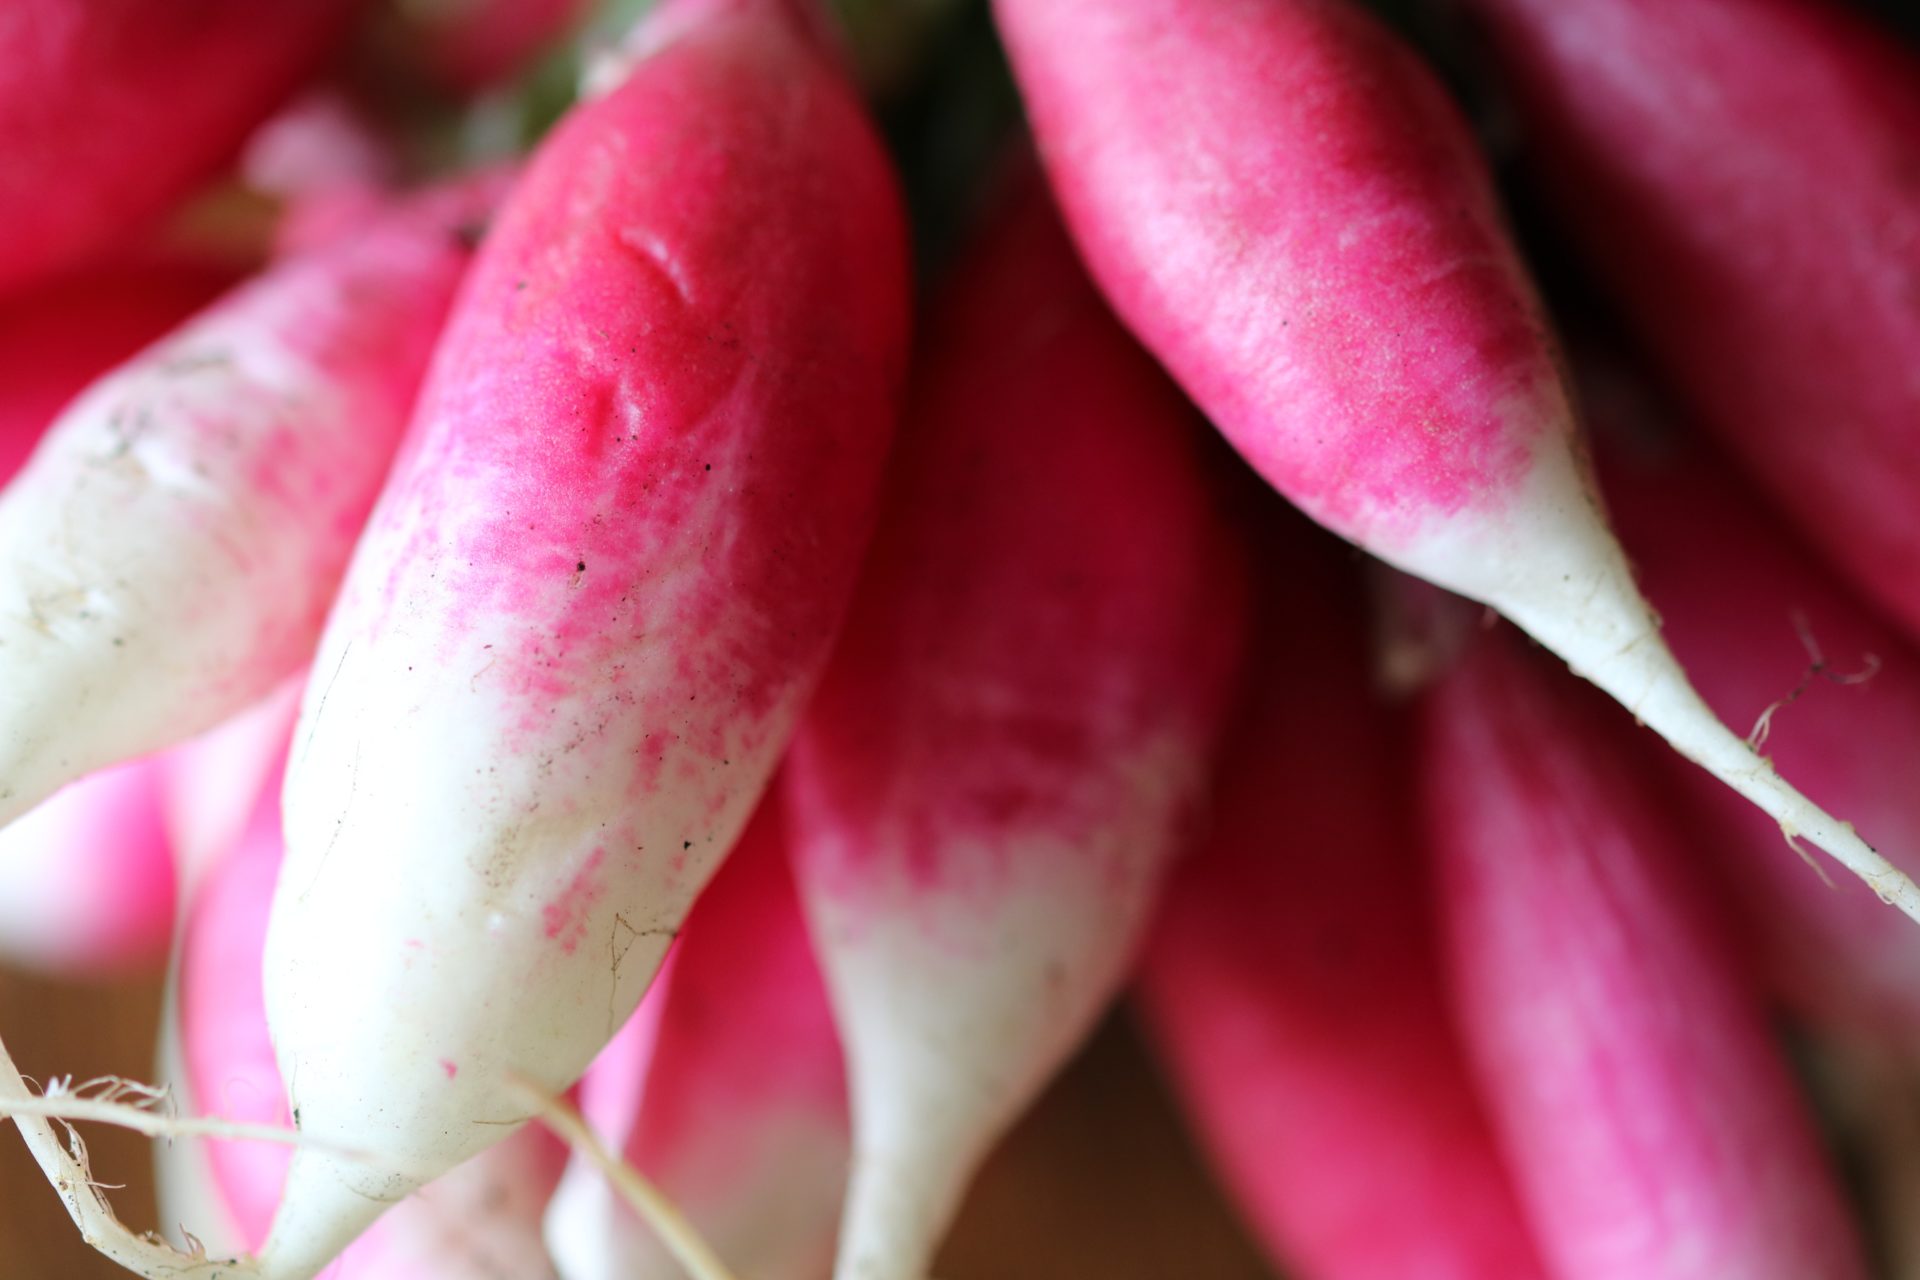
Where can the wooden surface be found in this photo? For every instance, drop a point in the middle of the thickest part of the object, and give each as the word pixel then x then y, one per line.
pixel 1099 1183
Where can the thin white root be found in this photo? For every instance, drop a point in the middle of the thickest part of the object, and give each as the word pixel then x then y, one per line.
pixel 65 1165
pixel 693 1254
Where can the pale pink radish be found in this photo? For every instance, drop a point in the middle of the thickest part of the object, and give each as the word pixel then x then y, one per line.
pixel 735 1105
pixel 1282 202
pixel 111 109
pixel 210 784
pixel 1013 740
pixel 168 552
pixel 86 878
pixel 479 1222
pixel 584 618
pixel 1742 601
pixel 1291 984
pixel 1647 1115
pixel 1742 175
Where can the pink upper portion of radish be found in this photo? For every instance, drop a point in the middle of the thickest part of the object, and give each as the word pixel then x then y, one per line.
pixel 1746 177
pixel 677 359
pixel 1646 1112
pixel 1049 590
pixel 1292 980
pixel 113 108
pixel 1284 205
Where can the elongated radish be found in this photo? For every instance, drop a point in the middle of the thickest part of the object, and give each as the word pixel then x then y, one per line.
pixel 1013 739
pixel 167 554
pixel 580 628
pixel 1291 983
pixel 480 1221
pixel 1741 173
pixel 1283 203
pixel 113 108
pixel 736 1109
pixel 1647 1116
pixel 1742 601
pixel 86 879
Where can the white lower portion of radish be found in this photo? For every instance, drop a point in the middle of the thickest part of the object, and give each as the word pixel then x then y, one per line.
pixel 958 1002
pixel 1549 563
pixel 189 1197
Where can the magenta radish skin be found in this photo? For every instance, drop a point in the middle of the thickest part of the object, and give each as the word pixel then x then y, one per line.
pixel 86 878
pixel 1013 739
pixel 1734 589
pixel 168 552
pixel 112 109
pixel 582 623
pixel 1284 205
pixel 1740 174
pixel 1291 986
pixel 1645 1110
pixel 737 1110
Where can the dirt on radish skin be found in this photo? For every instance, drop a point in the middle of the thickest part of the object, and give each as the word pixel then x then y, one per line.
pixel 1291 983
pixel 1645 1110
pixel 1740 174
pixel 1280 200
pixel 1013 739
pixel 733 1100
pixel 580 628
pixel 167 554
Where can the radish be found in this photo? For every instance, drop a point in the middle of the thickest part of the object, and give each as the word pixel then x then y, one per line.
pixel 1013 740
pixel 1741 600
pixel 580 627
pixel 211 783
pixel 1648 1117
pixel 86 879
pixel 112 109
pixel 167 554
pixel 1741 173
pixel 1291 983
pixel 1285 206
pixel 735 1104
pixel 480 1221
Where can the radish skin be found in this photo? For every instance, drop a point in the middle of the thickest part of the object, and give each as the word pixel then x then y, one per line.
pixel 168 552
pixel 1647 1115
pixel 1282 202
pixel 581 625
pixel 1013 739
pixel 736 1107
pixel 1735 589
pixel 1291 983
pixel 112 109
pixel 1741 175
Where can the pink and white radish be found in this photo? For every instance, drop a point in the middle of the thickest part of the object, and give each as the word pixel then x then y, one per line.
pixel 1741 174
pixel 582 623
pixel 112 109
pixel 1281 201
pixel 167 554
pixel 1741 599
pixel 1647 1115
pixel 87 878
pixel 478 1222
pixel 1013 740
pixel 735 1106
pixel 1291 984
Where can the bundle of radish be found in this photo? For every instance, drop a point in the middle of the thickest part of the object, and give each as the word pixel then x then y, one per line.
pixel 479 1222
pixel 1013 738
pixel 1291 979
pixel 734 1105
pixel 1772 635
pixel 111 109
pixel 1284 204
pixel 582 622
pixel 1741 173
pixel 1647 1116
pixel 167 554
